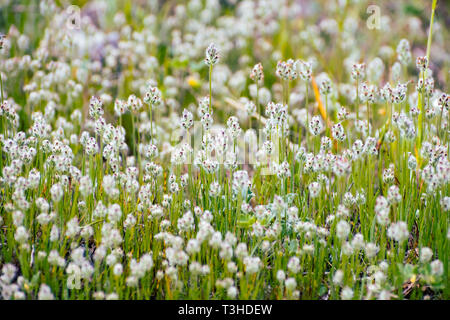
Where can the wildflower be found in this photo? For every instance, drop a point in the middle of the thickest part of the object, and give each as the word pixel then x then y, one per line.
pixel 325 144
pixel 120 107
pixel 257 73
pixel 382 210
pixel 367 93
pixel 232 292
pixel 281 276
pixel 347 248
pixel 444 101
pixel 233 129
pixel 85 185
pixel 342 230
pixel 445 203
pixel 72 227
pixel 342 114
pixel 250 107
pixel 54 233
pixel 304 70
pixel 388 175
pixel 45 293
pixel 95 108
pixel 399 93
pixel 316 126
pixel 422 63
pixel 134 103
pixel 358 242
pixel 21 235
pixel 394 195
pixel 412 162
pixel 437 268
pixel 384 295
pixel 2 41
pixel 114 213
pixel 425 255
pixel 207 121
pixel 375 70
pixel 112 296
pixel 283 170
pixel 286 70
pixel 8 273
pixel 212 55
pixel 386 93
pixel 404 52
pixel 294 265
pixel 346 293
pixel 187 119
pixel 290 284
pixel 398 231
pixel 358 71
pixel 300 156
pixel 371 249
pixel 241 181
pixel 56 192
pixel 153 96
pixel 117 269
pixel 325 85
pixel 252 264
pixel 314 189
pixel 338 133
pixel 370 147
pixel 338 277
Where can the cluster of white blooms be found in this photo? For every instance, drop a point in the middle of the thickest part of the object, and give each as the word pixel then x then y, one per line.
pixel 367 93
pixel 398 231
pixel 212 55
pixel 286 70
pixel 187 119
pixel 316 126
pixel 241 182
pixel 304 69
pixel 139 269
pixel 405 125
pixel 358 71
pixel 233 128
pixel 153 96
pixel 250 107
pixel 382 209
pixel 404 51
pixel 324 84
pixel 257 73
pixel 277 114
pixel 338 132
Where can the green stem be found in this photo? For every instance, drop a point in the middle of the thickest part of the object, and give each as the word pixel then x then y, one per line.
pixel 210 89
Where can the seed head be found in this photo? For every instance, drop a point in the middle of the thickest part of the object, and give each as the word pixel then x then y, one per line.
pixel 286 70
pixel 422 63
pixel 212 55
pixel 2 41
pixel 358 71
pixel 153 96
pixel 404 52
pixel 304 70
pixel 257 73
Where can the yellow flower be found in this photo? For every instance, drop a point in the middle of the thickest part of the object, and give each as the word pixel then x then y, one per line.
pixel 193 82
